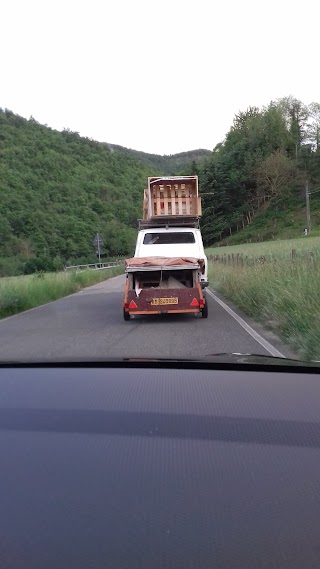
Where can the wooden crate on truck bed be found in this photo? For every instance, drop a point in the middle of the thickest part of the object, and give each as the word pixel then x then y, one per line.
pixel 171 197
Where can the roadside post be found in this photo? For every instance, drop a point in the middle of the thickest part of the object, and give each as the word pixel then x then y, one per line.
pixel 98 243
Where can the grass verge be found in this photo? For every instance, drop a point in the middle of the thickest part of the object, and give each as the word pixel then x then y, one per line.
pixel 283 295
pixel 280 249
pixel 21 293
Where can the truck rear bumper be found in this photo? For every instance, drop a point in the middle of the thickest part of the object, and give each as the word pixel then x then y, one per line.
pixel 181 311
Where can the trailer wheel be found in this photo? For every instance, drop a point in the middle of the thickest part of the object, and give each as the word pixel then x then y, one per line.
pixel 205 310
pixel 126 315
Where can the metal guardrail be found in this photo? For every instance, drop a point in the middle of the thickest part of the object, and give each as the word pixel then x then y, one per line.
pixel 93 266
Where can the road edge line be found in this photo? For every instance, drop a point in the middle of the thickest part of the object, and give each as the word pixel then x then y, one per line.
pixel 264 343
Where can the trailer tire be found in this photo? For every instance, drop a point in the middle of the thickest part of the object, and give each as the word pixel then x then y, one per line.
pixel 126 315
pixel 205 310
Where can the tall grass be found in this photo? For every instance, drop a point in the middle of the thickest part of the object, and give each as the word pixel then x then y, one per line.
pixel 277 249
pixel 21 293
pixel 284 295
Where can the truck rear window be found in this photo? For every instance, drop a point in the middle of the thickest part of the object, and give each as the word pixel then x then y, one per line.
pixel 168 238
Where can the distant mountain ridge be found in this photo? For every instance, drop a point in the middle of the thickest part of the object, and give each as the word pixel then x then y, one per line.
pixel 167 164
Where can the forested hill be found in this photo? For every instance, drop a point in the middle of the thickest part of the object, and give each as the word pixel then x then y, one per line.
pixel 57 190
pixel 170 164
pixel 260 170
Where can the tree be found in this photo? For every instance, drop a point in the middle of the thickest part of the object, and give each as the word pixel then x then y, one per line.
pixel 296 115
pixel 275 175
pixel 314 126
pixel 277 136
pixel 194 168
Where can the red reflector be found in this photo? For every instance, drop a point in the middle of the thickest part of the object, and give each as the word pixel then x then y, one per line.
pixel 194 302
pixel 132 304
pixel 201 303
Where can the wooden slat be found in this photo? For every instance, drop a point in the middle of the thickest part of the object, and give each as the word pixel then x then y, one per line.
pixel 180 200
pixel 199 209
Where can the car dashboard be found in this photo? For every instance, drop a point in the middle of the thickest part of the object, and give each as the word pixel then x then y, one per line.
pixel 159 465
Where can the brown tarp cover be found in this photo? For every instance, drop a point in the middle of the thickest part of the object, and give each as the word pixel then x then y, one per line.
pixel 161 262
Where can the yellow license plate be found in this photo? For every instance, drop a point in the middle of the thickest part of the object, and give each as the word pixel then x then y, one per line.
pixel 162 301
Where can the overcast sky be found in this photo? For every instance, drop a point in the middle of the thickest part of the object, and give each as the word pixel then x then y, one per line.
pixel 160 76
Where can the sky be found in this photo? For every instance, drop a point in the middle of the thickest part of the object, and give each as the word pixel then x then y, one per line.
pixel 161 76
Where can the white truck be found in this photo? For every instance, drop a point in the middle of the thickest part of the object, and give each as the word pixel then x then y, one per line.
pixel 169 271
pixel 172 241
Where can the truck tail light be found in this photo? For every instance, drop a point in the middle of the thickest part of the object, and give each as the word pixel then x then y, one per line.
pixel 132 304
pixel 201 303
pixel 194 302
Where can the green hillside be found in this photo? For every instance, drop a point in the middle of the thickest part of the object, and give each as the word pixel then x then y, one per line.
pixel 57 190
pixel 285 222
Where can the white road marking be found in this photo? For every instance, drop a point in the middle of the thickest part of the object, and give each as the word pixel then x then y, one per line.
pixel 266 345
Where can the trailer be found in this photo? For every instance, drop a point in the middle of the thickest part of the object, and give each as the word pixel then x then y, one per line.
pixel 164 285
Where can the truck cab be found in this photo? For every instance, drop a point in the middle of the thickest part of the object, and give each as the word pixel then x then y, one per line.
pixel 172 242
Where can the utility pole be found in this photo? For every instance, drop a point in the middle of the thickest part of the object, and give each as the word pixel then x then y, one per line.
pixel 308 208
pixel 98 243
pixel 99 253
pixel 308 194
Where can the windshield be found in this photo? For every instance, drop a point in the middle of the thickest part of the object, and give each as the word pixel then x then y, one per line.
pixel 181 135
pixel 168 238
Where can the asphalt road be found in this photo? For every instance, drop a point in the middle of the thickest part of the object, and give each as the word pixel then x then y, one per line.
pixel 90 324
